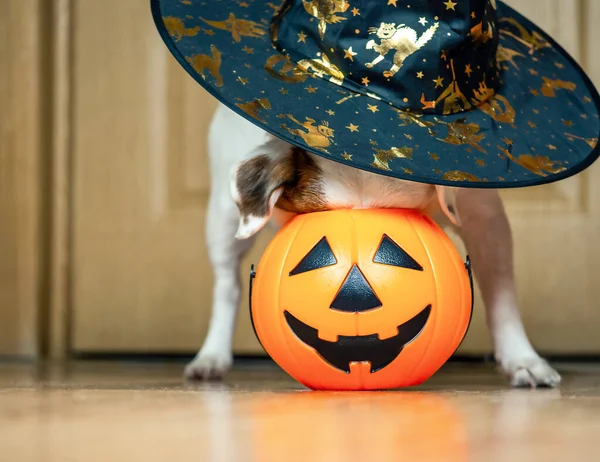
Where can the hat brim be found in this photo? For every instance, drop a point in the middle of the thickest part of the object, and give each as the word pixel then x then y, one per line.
pixel 552 135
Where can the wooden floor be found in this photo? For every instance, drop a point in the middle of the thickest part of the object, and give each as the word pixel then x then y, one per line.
pixel 138 412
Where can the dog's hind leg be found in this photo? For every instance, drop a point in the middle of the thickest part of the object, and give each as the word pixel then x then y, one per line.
pixel 485 229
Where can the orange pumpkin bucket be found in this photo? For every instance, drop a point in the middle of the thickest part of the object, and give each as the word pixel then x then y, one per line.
pixel 361 299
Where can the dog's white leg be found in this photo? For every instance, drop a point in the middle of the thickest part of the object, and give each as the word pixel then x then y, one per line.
pixel 485 230
pixel 225 252
pixel 249 170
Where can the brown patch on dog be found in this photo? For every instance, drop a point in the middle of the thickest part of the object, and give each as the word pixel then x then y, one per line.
pixel 258 178
pixel 254 185
pixel 305 194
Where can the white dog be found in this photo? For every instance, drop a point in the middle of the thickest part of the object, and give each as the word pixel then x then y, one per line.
pixel 257 178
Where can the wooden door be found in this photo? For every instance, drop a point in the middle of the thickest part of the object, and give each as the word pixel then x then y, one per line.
pixel 140 280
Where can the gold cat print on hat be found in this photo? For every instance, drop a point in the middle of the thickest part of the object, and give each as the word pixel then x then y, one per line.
pixel 212 64
pixel 402 39
pixel 252 108
pixel 177 29
pixel 316 136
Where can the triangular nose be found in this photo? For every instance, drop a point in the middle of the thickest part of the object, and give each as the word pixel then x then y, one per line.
pixel 356 295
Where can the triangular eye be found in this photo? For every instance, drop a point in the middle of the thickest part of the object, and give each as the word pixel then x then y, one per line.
pixel 390 253
pixel 319 256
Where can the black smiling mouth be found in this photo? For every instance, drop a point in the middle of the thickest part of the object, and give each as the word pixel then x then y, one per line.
pixel 360 348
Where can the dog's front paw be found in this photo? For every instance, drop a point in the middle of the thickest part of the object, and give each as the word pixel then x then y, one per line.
pixel 209 365
pixel 529 371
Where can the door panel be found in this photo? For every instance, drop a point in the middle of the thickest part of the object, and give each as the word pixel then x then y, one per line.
pixel 140 273
pixel 141 278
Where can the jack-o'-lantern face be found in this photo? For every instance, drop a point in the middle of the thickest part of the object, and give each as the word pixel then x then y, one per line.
pixel 361 299
pixel 357 296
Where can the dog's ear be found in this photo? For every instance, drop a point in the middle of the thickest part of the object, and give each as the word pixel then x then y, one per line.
pixel 257 184
pixel 447 199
